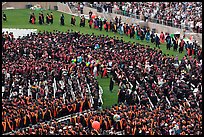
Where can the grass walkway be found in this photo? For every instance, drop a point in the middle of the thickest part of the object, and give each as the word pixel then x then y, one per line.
pixel 20 19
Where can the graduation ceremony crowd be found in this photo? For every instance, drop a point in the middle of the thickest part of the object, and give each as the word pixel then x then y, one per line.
pixel 49 75
pixel 52 74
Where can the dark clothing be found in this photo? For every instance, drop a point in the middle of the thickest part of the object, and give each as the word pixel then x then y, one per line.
pixel 4 17
pixel 51 18
pixel 100 25
pixel 82 22
pixel 168 41
pixel 43 19
pixel 111 84
pixel 40 19
pixel 90 14
pixel 62 20
pixel 73 20
pixel 157 40
pixel 47 19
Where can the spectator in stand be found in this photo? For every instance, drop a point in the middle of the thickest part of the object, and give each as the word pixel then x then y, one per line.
pixel 168 13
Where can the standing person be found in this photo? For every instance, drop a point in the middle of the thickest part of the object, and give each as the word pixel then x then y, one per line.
pixel 40 19
pixel 73 20
pixel 138 33
pixel 111 84
pixel 157 41
pixel 168 42
pixel 82 21
pixel 190 49
pixel 47 19
pixel 148 36
pixel 97 19
pixel 51 18
pixel 4 17
pixel 62 20
pixel 116 20
pixel 162 37
pixel 142 35
pixel 132 32
pixel 152 37
pixel 175 44
pixel 90 14
pixel 181 46
pixel 43 19
pixel 120 20
pixel 33 19
pixel 100 24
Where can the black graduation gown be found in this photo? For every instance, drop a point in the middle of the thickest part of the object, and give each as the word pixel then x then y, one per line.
pixel 47 19
pixel 111 84
pixel 40 19
pixel 43 18
pixel 62 20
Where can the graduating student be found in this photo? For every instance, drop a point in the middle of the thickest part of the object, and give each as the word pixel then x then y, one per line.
pixel 147 36
pixel 82 21
pixel 152 36
pixel 111 84
pixel 157 40
pixel 40 19
pixel 168 42
pixel 100 25
pixel 4 17
pixel 62 20
pixel 51 18
pixel 47 19
pixel 43 19
pixel 33 19
pixel 175 44
pixel 162 37
pixel 181 46
pixel 90 14
pixel 73 20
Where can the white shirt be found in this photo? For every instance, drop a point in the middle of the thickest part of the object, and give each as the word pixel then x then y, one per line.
pixel 191 24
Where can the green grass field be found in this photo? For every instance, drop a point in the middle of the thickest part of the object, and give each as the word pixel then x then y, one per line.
pixel 20 19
